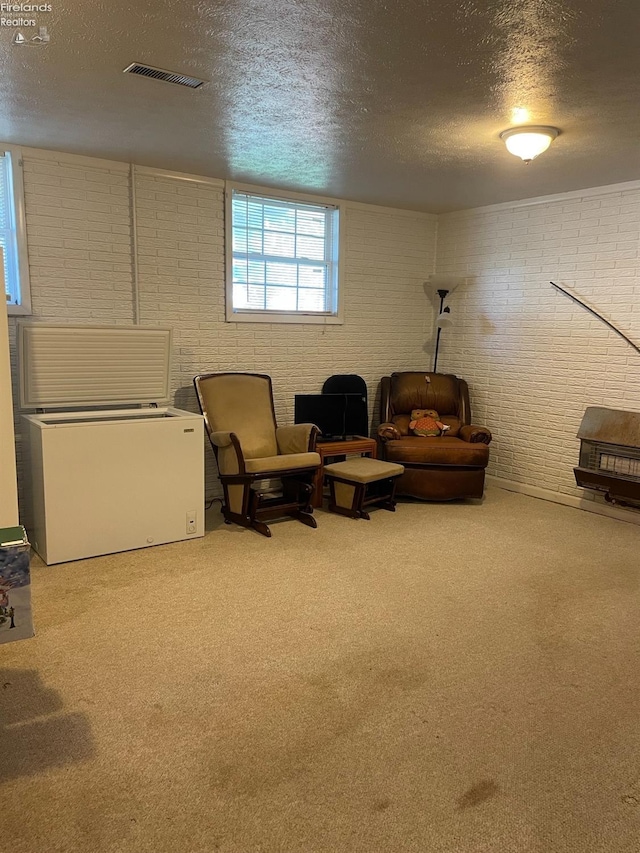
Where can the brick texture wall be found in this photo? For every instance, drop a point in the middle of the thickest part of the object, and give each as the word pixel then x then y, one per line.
pixel 79 240
pixel 80 243
pixel 533 358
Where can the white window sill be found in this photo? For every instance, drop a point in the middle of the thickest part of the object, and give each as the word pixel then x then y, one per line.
pixel 301 319
pixel 19 310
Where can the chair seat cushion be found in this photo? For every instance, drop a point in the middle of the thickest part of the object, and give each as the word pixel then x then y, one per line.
pixel 438 450
pixel 266 464
pixel 363 470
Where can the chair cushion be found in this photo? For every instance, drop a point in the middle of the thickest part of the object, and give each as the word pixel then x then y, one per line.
pixel 267 464
pixel 363 470
pixel 439 450
pixel 403 421
pixel 241 403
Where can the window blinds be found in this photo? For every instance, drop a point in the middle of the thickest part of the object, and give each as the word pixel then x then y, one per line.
pixel 284 254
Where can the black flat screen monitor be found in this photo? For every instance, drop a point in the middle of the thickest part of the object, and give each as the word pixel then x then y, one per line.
pixel 337 416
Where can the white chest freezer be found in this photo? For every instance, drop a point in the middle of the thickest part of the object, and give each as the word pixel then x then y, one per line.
pixel 98 479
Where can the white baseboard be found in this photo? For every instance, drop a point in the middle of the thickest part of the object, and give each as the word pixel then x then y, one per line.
pixel 631 515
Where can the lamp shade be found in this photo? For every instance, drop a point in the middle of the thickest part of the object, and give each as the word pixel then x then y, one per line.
pixel 528 142
pixel 444 319
pixel 442 282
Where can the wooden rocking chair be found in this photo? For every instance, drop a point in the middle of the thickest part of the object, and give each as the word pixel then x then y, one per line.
pixel 266 471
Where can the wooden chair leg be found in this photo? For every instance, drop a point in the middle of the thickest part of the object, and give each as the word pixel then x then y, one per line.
pixel 261 527
pixel 354 510
pixel 256 505
pixel 390 503
pixel 382 494
pixel 305 518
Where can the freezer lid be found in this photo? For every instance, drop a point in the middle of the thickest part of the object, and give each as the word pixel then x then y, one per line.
pixel 143 415
pixel 83 366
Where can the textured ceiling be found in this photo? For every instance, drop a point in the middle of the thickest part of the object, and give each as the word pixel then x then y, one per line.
pixel 396 102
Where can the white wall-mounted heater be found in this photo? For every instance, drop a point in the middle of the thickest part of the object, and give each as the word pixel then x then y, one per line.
pixel 107 467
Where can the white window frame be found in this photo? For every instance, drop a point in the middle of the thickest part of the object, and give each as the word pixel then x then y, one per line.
pixel 19 225
pixel 249 315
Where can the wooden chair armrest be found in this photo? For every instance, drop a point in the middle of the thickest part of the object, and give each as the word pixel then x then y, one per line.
pixel 221 439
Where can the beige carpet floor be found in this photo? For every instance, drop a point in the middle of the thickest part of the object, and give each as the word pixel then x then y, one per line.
pixel 456 677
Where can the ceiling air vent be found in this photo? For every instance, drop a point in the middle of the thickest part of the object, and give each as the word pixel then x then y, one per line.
pixel 167 76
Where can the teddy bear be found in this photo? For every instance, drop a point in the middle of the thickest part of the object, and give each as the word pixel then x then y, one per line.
pixel 426 422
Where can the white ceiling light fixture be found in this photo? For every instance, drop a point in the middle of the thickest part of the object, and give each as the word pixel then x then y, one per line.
pixel 529 141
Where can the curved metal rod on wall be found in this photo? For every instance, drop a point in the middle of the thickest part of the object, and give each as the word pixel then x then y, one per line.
pixel 595 314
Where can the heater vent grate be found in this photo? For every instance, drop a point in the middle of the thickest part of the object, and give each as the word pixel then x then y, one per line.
pixel 166 76
pixel 615 459
pixel 610 455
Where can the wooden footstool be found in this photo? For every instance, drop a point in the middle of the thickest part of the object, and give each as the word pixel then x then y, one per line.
pixel 361 482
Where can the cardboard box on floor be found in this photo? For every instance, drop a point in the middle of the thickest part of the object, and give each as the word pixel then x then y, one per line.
pixel 16 620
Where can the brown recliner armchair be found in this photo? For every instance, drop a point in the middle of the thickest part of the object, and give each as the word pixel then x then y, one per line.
pixel 438 468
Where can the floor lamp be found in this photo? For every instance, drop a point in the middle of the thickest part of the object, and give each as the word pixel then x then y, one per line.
pixel 443 321
pixel 442 285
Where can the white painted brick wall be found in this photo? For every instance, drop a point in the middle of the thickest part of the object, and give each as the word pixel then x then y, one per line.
pixel 533 358
pixel 79 241
pixel 80 251
pixel 387 255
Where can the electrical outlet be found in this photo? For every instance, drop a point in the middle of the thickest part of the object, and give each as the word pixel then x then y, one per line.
pixel 191 521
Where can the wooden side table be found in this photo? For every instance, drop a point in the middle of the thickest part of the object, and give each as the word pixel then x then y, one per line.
pixel 359 445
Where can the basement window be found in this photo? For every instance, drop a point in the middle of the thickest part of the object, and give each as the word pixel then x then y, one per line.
pixel 12 234
pixel 282 258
